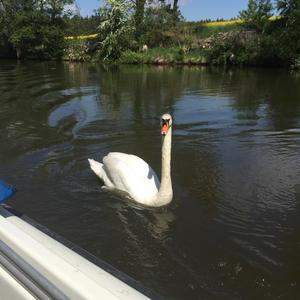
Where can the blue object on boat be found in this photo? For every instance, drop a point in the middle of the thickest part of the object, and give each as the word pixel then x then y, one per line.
pixel 6 191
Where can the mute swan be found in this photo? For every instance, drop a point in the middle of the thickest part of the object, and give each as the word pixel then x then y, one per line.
pixel 131 174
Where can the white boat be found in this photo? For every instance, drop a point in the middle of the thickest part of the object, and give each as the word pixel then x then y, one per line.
pixel 37 264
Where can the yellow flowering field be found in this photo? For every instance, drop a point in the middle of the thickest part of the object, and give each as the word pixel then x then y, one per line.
pixel 230 22
pixel 81 37
pixel 221 23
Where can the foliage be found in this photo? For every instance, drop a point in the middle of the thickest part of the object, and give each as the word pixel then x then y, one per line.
pixel 290 11
pixel 289 30
pixel 132 57
pixel 35 29
pixel 139 17
pixel 257 15
pixel 244 48
pixel 203 30
pixel 78 51
pixel 162 56
pixel 288 7
pixel 296 64
pixel 78 25
pixel 115 30
pixel 161 28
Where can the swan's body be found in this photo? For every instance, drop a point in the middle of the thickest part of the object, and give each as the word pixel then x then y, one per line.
pixel 128 173
pixel 133 175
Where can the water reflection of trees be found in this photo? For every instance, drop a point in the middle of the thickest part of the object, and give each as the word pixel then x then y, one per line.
pixel 146 91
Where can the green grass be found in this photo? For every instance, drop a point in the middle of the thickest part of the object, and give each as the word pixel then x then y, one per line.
pixel 164 56
pixel 202 31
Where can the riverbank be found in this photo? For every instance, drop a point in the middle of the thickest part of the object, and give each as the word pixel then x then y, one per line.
pixel 223 48
pixel 165 56
pixel 229 45
pixel 200 43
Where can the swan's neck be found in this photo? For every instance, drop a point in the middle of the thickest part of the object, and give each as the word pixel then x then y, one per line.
pixel 165 193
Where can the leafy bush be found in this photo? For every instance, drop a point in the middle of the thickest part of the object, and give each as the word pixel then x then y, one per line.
pixel 32 30
pixel 163 56
pixel 115 30
pixel 131 57
pixel 78 51
pixel 257 15
pixel 161 29
pixel 296 64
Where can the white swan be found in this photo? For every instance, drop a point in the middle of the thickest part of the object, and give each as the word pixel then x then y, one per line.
pixel 133 175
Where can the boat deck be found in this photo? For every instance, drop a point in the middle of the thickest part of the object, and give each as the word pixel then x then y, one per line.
pixel 35 263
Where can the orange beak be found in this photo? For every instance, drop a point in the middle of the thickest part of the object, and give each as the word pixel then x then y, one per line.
pixel 164 128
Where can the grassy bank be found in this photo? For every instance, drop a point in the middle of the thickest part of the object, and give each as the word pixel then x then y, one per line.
pixel 201 43
pixel 194 51
pixel 161 56
pixel 201 30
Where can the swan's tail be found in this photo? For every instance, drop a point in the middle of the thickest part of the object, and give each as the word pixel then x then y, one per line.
pixel 96 167
pixel 100 172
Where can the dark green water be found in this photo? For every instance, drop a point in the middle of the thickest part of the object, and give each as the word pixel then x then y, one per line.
pixel 233 228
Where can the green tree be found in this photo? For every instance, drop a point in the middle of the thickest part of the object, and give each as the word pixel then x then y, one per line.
pixel 34 27
pixel 139 17
pixel 161 27
pixel 289 35
pixel 116 28
pixel 257 14
pixel 288 7
pixel 290 10
pixel 175 5
pixel 175 10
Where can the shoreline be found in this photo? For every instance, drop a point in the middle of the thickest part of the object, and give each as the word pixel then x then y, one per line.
pixel 155 63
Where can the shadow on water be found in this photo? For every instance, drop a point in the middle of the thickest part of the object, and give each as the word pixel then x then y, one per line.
pixel 232 229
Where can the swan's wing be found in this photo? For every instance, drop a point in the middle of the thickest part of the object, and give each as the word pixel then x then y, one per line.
pixel 137 164
pixel 132 175
pixel 99 170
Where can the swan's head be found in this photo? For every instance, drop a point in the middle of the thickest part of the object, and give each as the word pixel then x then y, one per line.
pixel 166 123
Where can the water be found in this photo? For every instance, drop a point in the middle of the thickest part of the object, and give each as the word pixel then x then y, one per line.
pixel 232 230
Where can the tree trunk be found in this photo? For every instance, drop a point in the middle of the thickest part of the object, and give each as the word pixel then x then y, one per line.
pixel 175 6
pixel 18 50
pixel 175 11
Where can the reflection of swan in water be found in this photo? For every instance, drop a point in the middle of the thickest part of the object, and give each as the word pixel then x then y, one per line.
pixel 85 109
pixel 133 175
pixel 137 220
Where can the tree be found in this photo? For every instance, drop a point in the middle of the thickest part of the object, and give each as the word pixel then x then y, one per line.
pixel 139 17
pixel 115 29
pixel 161 25
pixel 257 15
pixel 175 5
pixel 34 27
pixel 289 37
pixel 288 7
pixel 175 10
pixel 55 8
pixel 290 10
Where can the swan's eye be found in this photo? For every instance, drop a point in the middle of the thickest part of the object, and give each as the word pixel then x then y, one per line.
pixel 165 121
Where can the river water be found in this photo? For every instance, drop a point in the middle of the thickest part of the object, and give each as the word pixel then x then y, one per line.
pixel 232 230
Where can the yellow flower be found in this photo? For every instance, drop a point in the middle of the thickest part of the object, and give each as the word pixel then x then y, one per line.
pixel 230 22
pixel 221 23
pixel 81 37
